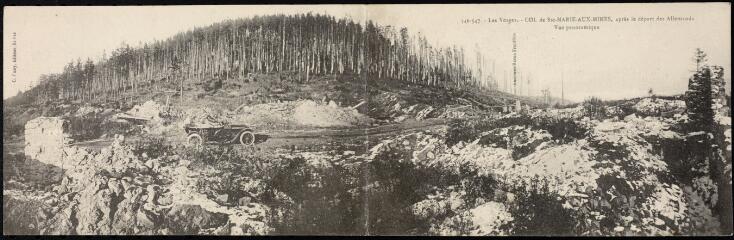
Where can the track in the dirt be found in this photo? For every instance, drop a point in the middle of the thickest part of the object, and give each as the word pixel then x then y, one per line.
pixel 355 132
pixel 295 135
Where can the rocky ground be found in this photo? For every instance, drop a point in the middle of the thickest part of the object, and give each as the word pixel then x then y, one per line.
pixel 537 172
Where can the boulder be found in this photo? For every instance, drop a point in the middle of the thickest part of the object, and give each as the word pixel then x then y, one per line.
pixel 189 219
pixel 243 201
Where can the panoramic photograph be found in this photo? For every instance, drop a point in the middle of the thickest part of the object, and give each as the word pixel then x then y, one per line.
pixel 363 119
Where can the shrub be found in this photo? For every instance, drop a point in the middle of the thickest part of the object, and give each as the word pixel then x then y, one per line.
pixel 152 147
pixel 562 129
pixel 469 130
pixel 609 205
pixel 626 108
pixel 22 217
pixel 476 185
pixel 594 108
pixel 211 154
pixel 322 203
pixel 681 157
pixel 378 194
pixel 539 211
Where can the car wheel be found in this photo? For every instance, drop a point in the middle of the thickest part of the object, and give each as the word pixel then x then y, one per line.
pixel 247 138
pixel 195 140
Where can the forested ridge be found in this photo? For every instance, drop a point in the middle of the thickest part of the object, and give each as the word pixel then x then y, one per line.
pixel 303 44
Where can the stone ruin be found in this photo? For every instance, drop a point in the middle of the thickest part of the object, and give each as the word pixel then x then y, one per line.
pixel 718 91
pixel 45 138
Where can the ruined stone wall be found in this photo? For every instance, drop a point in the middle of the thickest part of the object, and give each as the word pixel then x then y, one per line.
pixel 718 91
pixel 45 139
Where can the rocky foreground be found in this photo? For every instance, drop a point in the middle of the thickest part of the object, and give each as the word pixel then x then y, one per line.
pixel 542 172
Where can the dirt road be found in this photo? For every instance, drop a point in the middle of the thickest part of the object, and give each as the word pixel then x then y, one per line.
pixel 355 139
pixel 280 138
pixel 352 132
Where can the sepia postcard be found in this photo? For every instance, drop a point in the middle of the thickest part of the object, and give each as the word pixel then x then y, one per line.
pixel 408 119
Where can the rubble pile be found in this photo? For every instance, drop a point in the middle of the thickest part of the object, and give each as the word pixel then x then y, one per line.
pixel 113 192
pixel 487 219
pixel 579 171
pixel 117 191
pixel 308 112
pixel 245 218
pixel 149 115
pixel 269 115
pixel 32 212
pixel 456 112
pixel 391 106
pixel 86 110
pixel 568 113
pixel 149 110
pixel 416 111
pixel 521 140
pixel 656 106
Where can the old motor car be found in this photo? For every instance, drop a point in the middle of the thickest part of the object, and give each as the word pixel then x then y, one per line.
pixel 235 133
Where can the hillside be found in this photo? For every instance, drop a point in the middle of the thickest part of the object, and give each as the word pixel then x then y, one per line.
pixel 302 46
pixel 265 59
pixel 384 100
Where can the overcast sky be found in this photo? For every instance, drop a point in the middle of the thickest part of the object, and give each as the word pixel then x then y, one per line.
pixel 618 60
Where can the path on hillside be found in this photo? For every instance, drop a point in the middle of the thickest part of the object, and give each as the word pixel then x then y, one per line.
pixel 352 132
pixel 277 138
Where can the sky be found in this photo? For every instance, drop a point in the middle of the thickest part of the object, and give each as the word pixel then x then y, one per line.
pixel 617 60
